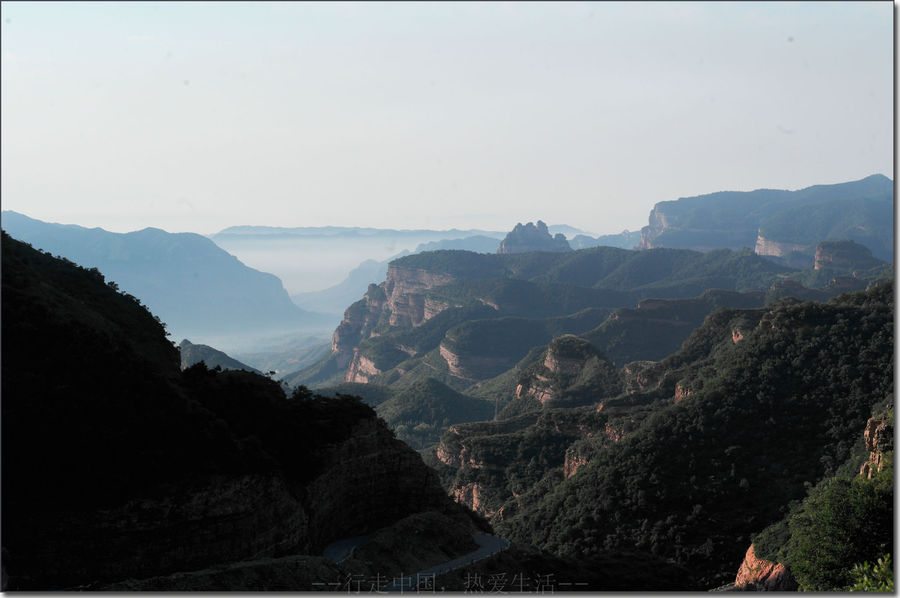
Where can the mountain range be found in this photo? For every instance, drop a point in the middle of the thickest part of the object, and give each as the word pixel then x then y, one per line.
pixel 717 415
pixel 786 225
pixel 198 290
pixel 183 480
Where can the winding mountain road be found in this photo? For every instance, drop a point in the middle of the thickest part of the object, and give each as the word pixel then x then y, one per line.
pixel 488 546
pixel 337 552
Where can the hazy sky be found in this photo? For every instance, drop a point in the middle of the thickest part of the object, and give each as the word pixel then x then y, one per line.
pixel 198 116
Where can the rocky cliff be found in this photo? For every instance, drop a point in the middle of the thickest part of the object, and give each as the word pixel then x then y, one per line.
pixel 572 371
pixel 474 367
pixel 771 248
pixel 399 302
pixel 778 223
pixel 879 438
pixel 531 237
pixel 762 575
pixel 360 319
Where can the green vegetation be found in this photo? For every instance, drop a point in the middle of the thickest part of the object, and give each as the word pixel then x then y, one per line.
pixel 787 403
pixel 657 328
pixel 861 210
pixel 657 272
pixel 842 522
pixel 866 221
pixel 419 413
pixel 845 522
pixel 512 338
pixel 873 578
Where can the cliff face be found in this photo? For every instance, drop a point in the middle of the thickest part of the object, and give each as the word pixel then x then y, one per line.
pixel 571 366
pixel 399 301
pixel 670 226
pixel 474 367
pixel 879 437
pixel 529 237
pixel 761 575
pixel 405 289
pixel 362 369
pixel 778 223
pixel 359 321
pixel 778 249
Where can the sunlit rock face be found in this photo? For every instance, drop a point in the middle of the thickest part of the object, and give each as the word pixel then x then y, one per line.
pixel 759 574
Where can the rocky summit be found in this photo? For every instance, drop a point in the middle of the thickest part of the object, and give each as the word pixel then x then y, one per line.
pixel 529 237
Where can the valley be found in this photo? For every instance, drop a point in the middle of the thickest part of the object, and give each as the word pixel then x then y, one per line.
pixel 612 418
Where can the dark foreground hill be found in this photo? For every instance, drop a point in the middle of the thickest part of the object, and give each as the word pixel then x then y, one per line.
pixel 118 465
pixel 198 289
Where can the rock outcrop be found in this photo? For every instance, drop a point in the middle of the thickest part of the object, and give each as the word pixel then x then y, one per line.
pixel 529 237
pixel 469 495
pixel 474 367
pixel 771 248
pixel 405 290
pixel 360 319
pixel 879 436
pixel 574 461
pixel 362 369
pixel 761 575
pixel 399 301
pixel 570 365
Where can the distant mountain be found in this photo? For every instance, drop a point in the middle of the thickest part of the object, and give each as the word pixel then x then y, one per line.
pixel 531 237
pixel 284 354
pixel 288 253
pixel 780 224
pixel 626 240
pixel 334 300
pixel 344 231
pixel 477 243
pixel 192 354
pixel 565 230
pixel 196 288
pixel 465 317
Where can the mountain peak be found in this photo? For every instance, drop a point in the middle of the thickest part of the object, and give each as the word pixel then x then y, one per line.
pixel 531 237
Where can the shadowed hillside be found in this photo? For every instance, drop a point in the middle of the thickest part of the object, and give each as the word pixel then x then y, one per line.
pixel 154 470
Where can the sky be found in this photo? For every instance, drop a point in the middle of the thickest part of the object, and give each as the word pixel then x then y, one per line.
pixel 192 117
